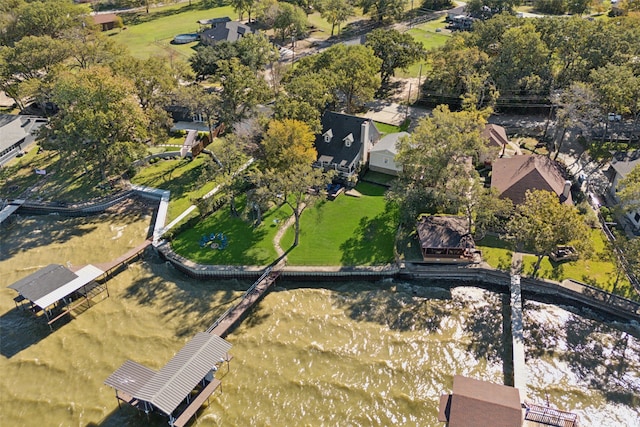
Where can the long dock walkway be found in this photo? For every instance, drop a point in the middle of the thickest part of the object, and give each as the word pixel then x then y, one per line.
pixel 517 334
pixel 231 317
pixel 107 267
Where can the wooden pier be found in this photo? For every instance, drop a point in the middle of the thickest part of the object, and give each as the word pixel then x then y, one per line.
pixel 113 265
pixel 231 317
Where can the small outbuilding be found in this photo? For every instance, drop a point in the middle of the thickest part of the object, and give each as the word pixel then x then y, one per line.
pixel 383 153
pixel 106 21
pixel 445 239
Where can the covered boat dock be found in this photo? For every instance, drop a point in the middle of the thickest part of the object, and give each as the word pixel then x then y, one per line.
pixel 179 388
pixel 55 291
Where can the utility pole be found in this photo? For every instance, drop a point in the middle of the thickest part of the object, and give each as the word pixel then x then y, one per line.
pixel 406 114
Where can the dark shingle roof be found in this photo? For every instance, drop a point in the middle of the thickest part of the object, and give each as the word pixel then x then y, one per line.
pixel 341 126
pixel 230 31
pixel 444 232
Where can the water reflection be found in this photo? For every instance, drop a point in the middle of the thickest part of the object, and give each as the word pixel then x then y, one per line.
pixel 319 354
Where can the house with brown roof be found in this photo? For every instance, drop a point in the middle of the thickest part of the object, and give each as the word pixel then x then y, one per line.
pixel 475 403
pixel 445 239
pixel 106 21
pixel 512 177
pixel 496 141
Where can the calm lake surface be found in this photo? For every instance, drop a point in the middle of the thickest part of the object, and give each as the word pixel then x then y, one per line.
pixel 347 354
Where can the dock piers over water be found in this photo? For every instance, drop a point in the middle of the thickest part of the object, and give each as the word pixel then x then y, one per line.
pixel 517 335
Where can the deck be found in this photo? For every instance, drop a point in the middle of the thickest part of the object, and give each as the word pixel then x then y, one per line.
pixel 550 416
pixel 196 403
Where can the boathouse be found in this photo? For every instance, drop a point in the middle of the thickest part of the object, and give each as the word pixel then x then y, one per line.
pixel 54 291
pixel 178 389
pixel 480 404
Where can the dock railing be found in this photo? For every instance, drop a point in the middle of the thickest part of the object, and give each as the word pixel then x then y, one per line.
pixel 248 292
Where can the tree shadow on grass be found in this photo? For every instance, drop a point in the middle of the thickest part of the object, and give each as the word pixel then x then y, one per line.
pixel 372 241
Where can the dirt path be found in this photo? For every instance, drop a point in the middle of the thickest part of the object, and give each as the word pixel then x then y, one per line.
pixel 283 228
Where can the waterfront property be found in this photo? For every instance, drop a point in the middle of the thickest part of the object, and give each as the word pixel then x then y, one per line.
pixel 179 388
pixel 54 291
pixel 445 239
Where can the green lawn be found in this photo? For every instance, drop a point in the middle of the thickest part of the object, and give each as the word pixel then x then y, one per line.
pixel 495 252
pixel 345 231
pixel 181 177
pixel 246 245
pixel 60 184
pixel 594 270
pixel 426 34
pixel 150 35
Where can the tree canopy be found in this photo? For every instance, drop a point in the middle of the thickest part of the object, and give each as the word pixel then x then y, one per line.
pixel 100 123
pixel 437 163
pixel 629 190
pixel 287 176
pixel 542 223
pixel 395 49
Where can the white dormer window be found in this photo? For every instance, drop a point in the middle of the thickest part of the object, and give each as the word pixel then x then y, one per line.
pixel 328 135
pixel 348 140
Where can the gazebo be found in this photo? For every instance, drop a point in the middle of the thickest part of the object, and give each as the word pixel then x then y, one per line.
pixel 445 239
pixel 54 291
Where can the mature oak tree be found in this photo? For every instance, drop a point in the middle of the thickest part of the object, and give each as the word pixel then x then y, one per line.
pixel 541 223
pixel 437 162
pixel 100 122
pixel 287 175
pixel 395 49
pixel 335 12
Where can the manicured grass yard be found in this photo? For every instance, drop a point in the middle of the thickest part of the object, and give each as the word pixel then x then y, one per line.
pixel 345 231
pixel 430 39
pixel 150 35
pixel 246 245
pixel 181 177
pixel 60 184
pixel 495 252
pixel 594 270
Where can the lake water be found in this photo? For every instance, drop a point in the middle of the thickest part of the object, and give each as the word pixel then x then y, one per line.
pixel 347 354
